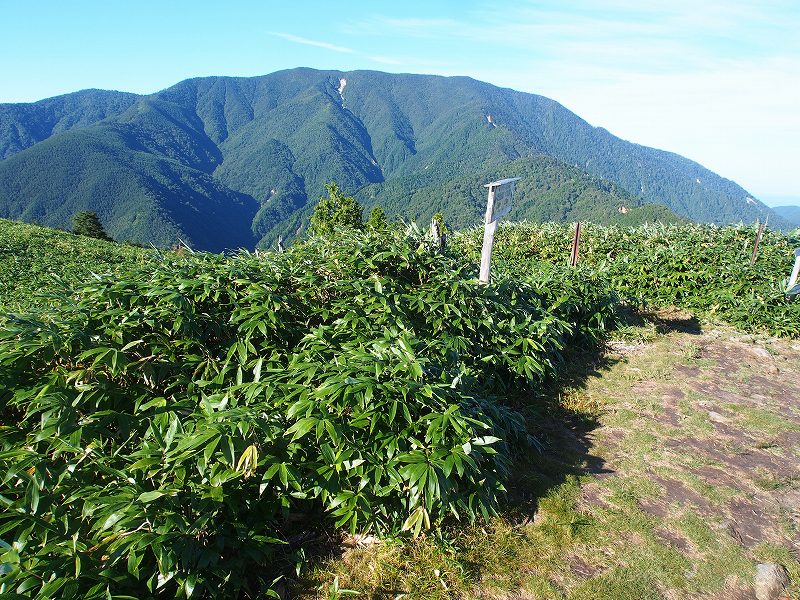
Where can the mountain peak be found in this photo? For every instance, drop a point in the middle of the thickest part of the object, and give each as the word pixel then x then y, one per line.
pixel 261 149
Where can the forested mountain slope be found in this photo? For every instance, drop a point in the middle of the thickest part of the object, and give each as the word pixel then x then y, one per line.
pixel 790 213
pixel 223 162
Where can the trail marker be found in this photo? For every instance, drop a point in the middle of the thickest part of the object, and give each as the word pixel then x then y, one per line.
pixel 573 257
pixel 439 237
pixel 793 289
pixel 498 205
pixel 758 239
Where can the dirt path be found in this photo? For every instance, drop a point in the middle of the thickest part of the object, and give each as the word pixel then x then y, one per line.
pixel 700 443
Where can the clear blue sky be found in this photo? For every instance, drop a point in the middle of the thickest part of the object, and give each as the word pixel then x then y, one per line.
pixel 716 81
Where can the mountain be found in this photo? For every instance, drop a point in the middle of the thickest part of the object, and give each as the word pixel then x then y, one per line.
pixel 223 162
pixel 789 213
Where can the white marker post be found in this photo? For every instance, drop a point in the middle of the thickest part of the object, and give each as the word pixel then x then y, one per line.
pixel 498 205
pixel 796 270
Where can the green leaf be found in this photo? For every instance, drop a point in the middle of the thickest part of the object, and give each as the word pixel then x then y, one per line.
pixel 146 497
pixel 257 370
pixel 301 427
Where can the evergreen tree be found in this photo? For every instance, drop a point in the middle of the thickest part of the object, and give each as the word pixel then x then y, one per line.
pixel 86 223
pixel 337 210
pixel 377 219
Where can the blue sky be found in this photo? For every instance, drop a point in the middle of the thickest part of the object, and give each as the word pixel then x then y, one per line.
pixel 716 81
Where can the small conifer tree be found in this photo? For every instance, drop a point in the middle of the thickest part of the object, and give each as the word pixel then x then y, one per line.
pixel 377 219
pixel 337 210
pixel 87 223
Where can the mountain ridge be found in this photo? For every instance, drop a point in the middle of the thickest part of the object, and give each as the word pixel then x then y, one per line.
pixel 790 213
pixel 261 149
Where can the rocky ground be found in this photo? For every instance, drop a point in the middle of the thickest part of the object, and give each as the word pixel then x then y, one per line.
pixel 700 446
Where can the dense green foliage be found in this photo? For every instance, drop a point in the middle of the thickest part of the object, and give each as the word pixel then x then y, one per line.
pixel 549 190
pixel 35 260
pixel 223 162
pixel 704 268
pixel 86 223
pixel 336 210
pixel 377 219
pixel 175 428
pixel 141 196
pixel 23 125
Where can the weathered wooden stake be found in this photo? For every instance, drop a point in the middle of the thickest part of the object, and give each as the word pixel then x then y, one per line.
pixel 755 248
pixel 498 205
pixel 439 238
pixel 576 240
pixel 486 253
pixel 796 270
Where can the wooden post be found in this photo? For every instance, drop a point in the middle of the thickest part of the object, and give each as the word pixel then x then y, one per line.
pixel 498 205
pixel 576 240
pixel 796 270
pixel 755 248
pixel 437 235
pixel 486 253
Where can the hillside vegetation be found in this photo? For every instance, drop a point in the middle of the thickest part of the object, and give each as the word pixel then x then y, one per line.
pixel 790 213
pixel 548 191
pixel 180 426
pixel 227 162
pixel 668 470
pixel 38 262
pixel 184 424
pixel 703 268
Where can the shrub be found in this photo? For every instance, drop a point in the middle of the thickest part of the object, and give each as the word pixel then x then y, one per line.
pixel 377 219
pixel 705 268
pixel 337 210
pixel 176 426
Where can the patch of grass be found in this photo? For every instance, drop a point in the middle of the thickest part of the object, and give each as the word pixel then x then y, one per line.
pixel 767 445
pixel 760 420
pixel 419 568
pixel 639 448
pixel 620 583
pixel 626 493
pixel 649 373
pixel 635 334
pixel 719 555
pixel 691 351
pixel 788 522
pixel 703 363
pixel 716 494
pixel 580 401
pixel 502 556
pixel 621 417
pixel 539 587
pixel 767 481
pixel 692 461
pixel 696 422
